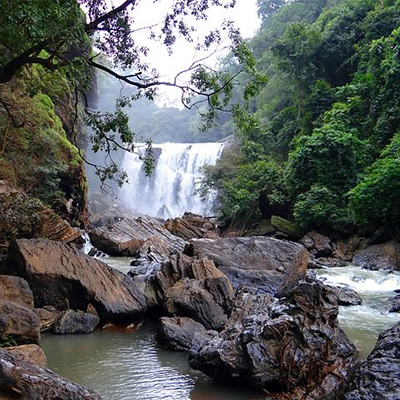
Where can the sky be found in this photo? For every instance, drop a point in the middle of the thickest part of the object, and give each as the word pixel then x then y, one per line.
pixel 147 13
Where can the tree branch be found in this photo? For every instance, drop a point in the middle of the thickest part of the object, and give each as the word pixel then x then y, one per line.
pixel 92 26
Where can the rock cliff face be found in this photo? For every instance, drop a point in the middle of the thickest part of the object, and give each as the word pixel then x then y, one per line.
pixel 59 275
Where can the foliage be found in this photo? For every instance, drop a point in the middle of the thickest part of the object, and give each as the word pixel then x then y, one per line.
pixel 328 115
pixel 376 199
pixel 322 208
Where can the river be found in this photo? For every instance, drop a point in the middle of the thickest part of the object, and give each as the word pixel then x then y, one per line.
pixel 122 365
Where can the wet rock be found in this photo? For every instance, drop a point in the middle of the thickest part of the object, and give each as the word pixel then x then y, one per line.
pixel 29 352
pixel 395 304
pixel 47 315
pixel 75 322
pixel 136 237
pixel 16 289
pixel 18 323
pixel 268 264
pixel 34 382
pixel 347 296
pixel 192 226
pixel 384 256
pixel 188 298
pixel 378 378
pixel 60 274
pixel 290 347
pixel 180 333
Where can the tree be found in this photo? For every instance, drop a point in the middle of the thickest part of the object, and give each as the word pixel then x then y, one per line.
pixel 60 36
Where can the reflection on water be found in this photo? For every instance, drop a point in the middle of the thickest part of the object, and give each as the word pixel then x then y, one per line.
pixel 364 323
pixel 131 366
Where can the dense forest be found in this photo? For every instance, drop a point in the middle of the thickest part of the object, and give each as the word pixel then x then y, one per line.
pixel 321 144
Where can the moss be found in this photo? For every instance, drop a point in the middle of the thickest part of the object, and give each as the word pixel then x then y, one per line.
pixel 288 227
pixel 7 172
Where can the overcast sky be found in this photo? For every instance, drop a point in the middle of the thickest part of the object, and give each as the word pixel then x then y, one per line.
pixel 147 13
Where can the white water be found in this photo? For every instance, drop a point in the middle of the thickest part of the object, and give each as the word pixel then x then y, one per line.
pixel 364 323
pixel 170 191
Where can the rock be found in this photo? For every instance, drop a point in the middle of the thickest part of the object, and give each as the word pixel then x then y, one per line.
pixel 346 250
pixel 180 333
pixel 347 296
pixel 16 289
pixel 47 315
pixel 395 304
pixel 326 262
pixel 22 216
pixel 158 280
pixel 287 227
pixel 34 382
pixel 130 236
pixel 18 323
pixel 317 244
pixel 188 298
pixel 75 322
pixel 29 352
pixel 378 378
pixel 255 261
pixel 192 226
pixel 261 228
pixel 292 347
pixel 58 273
pixel 380 256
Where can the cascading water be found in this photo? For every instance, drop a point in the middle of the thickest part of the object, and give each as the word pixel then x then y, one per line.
pixel 364 323
pixel 170 190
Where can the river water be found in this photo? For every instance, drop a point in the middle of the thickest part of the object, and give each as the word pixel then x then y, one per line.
pixel 126 365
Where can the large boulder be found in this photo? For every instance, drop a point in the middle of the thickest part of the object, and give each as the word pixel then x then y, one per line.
pixel 192 226
pixel 287 227
pixel 272 266
pixel 60 275
pixel 31 381
pixel 18 323
pixel 135 236
pixel 16 289
pixel 378 378
pixel 291 347
pixel 180 333
pixel 380 256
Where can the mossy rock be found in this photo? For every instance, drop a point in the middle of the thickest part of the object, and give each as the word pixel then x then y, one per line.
pixel 289 228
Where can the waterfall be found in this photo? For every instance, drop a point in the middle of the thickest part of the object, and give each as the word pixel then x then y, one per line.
pixel 170 190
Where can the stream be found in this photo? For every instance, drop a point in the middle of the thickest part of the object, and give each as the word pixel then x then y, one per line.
pixel 126 365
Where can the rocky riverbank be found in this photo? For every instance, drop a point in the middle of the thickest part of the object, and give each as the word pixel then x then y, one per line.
pixel 244 308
